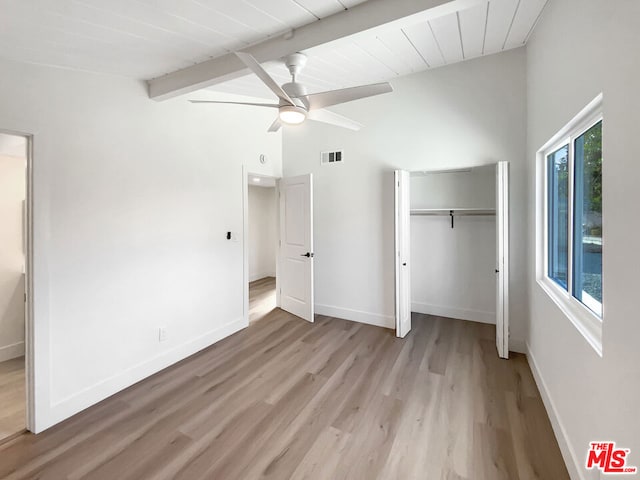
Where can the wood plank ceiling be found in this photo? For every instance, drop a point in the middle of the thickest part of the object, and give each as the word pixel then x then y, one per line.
pixel 145 38
pixel 383 53
pixel 148 38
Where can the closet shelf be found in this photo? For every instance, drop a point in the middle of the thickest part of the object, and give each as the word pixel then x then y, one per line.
pixel 453 211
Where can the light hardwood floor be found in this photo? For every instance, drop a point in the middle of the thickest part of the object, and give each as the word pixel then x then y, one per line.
pixel 286 399
pixel 262 298
pixel 12 397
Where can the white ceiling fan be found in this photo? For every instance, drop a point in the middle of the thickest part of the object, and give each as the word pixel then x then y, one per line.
pixel 295 105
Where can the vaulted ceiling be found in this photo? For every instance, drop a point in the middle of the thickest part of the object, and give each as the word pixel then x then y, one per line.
pixel 381 54
pixel 145 38
pixel 149 38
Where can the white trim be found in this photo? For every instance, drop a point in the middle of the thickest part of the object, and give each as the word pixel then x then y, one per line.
pixel 396 251
pixel 246 277
pixel 385 321
pixel 9 352
pixel 587 323
pixel 502 259
pixel 245 245
pixel 578 124
pixel 568 454
pixel 454 312
pixel 105 388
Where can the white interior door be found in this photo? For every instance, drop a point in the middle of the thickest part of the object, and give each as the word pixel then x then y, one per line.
pixel 296 246
pixel 402 249
pixel 502 259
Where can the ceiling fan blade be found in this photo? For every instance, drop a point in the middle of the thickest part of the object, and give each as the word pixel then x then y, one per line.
pixel 271 105
pixel 334 97
pixel 262 74
pixel 325 116
pixel 275 126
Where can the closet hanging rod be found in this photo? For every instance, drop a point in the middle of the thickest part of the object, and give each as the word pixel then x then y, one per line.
pixel 453 211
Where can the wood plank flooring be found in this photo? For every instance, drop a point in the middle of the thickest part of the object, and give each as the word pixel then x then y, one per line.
pixel 12 397
pixel 262 298
pixel 286 399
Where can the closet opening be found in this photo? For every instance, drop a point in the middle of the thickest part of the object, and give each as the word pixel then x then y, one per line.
pixel 452 247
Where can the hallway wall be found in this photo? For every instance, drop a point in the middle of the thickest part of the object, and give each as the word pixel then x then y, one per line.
pixel 13 164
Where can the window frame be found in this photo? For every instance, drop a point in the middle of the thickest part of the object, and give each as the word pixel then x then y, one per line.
pixel 588 323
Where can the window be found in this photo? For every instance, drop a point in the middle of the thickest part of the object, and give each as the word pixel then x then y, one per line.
pixel 587 219
pixel 558 241
pixel 569 221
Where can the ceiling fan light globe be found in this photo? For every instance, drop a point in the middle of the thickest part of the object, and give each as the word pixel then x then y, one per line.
pixel 292 115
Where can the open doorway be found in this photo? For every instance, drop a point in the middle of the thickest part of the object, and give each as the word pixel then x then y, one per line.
pixel 452 247
pixel 14 150
pixel 262 240
pixel 278 245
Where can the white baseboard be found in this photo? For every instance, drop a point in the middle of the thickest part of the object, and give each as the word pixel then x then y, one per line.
pixel 568 454
pixel 259 276
pixel 453 312
pixel 98 392
pixel 386 321
pixel 14 350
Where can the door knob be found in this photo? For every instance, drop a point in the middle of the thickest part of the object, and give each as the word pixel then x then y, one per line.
pixel 308 255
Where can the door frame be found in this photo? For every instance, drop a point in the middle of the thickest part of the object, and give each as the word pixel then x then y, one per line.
pixel 245 239
pixel 506 232
pixel 29 354
pixel 502 258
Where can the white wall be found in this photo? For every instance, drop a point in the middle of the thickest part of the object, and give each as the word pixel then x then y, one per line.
pixel 471 113
pixel 262 232
pixel 453 269
pixel 132 202
pixel 579 49
pixel 12 196
pixel 469 188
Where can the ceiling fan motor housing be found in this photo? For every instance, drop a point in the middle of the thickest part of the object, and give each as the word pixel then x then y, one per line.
pixel 297 92
pixel 295 63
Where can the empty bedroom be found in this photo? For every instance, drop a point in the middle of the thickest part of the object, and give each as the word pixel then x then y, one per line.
pixel 319 239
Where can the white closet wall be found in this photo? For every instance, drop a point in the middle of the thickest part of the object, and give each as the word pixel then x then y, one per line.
pixel 453 269
pixel 262 232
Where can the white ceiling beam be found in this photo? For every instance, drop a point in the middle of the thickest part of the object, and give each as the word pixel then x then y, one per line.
pixel 362 17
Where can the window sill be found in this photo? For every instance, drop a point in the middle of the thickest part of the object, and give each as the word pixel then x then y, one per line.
pixel 587 323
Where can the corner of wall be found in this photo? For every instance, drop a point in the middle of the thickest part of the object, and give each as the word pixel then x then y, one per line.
pixel 568 454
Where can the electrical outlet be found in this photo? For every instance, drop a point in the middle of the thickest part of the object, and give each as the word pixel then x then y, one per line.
pixel 162 334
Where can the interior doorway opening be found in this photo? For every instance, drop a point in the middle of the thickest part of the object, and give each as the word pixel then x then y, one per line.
pixel 293 241
pixel 262 243
pixel 14 268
